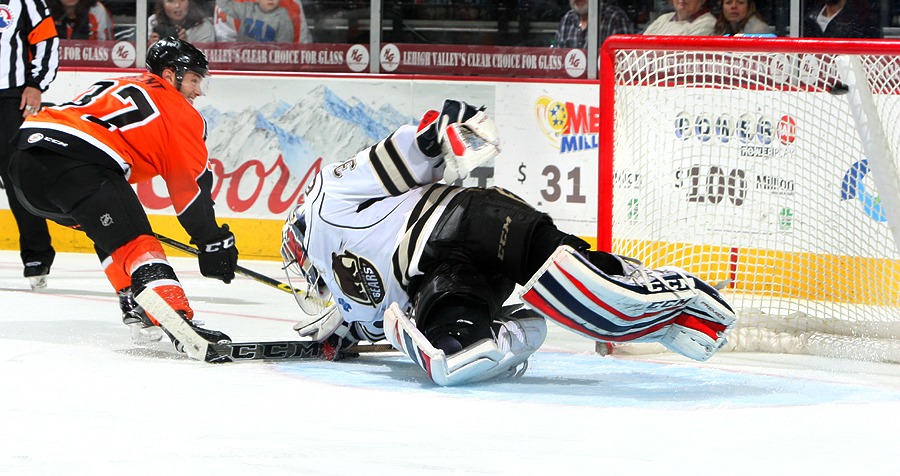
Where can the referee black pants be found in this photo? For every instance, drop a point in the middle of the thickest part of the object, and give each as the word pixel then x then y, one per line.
pixel 34 236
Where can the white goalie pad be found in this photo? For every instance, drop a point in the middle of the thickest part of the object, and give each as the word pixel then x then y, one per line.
pixel 484 360
pixel 467 145
pixel 665 305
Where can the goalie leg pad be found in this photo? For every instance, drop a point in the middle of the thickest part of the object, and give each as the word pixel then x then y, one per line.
pixel 637 306
pixel 486 359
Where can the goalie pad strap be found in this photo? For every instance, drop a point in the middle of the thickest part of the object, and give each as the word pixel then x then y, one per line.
pixel 694 338
pixel 702 329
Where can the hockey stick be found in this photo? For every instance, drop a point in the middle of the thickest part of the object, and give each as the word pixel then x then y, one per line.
pixel 198 348
pixel 286 350
pixel 238 269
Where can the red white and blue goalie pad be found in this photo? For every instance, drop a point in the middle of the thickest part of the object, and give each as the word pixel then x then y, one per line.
pixel 639 307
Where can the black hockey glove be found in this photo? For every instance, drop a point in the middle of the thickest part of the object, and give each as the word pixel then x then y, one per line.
pixel 218 257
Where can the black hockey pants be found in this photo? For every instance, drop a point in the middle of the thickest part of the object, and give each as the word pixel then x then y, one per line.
pixel 91 197
pixel 34 236
pixel 486 241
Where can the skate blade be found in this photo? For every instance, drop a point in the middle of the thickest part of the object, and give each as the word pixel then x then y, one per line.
pixel 37 282
pixel 143 336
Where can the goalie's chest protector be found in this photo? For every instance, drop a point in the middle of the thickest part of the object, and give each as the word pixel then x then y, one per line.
pixel 353 242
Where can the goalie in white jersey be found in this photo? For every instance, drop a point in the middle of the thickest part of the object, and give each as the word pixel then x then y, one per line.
pixel 389 252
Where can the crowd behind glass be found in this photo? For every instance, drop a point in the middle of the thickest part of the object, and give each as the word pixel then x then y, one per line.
pixel 497 24
pixel 474 22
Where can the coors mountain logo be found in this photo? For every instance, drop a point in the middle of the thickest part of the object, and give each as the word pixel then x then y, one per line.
pixel 358 278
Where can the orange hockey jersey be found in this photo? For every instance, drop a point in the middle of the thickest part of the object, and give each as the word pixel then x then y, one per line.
pixel 140 126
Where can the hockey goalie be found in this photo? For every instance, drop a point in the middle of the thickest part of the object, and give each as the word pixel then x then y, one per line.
pixel 390 249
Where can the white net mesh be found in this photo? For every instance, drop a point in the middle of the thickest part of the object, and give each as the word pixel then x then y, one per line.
pixel 747 168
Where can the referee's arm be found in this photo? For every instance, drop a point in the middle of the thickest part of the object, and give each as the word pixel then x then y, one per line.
pixel 43 45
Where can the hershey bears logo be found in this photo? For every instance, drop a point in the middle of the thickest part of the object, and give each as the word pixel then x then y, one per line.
pixel 358 278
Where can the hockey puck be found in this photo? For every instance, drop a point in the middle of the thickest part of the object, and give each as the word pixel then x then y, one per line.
pixel 838 89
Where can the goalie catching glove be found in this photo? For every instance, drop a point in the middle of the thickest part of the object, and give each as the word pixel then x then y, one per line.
pixel 466 136
pixel 329 327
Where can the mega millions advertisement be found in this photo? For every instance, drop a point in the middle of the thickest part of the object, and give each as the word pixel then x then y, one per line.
pixel 268 135
pixel 551 160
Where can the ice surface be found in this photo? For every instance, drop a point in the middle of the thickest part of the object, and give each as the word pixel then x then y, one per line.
pixel 77 397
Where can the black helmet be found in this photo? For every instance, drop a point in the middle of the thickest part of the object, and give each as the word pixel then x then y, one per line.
pixel 177 54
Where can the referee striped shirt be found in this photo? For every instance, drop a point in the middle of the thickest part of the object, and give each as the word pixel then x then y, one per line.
pixel 29 47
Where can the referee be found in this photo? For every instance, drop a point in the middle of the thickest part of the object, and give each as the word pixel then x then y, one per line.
pixel 29 57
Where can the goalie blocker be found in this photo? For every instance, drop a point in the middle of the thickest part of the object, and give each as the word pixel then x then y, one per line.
pixel 665 305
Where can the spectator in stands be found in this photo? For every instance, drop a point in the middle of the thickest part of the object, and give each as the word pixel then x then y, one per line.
pixel 227 25
pixel 740 17
pixel 691 17
pixel 81 19
pixel 841 19
pixel 572 32
pixel 263 21
pixel 182 19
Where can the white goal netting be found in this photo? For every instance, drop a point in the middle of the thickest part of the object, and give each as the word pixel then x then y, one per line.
pixel 768 166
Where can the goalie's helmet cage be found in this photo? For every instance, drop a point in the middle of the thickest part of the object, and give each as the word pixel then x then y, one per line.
pixel 297 263
pixel 179 55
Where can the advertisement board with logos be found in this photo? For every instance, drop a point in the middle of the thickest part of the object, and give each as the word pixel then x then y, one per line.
pixel 268 134
pixel 394 58
pixel 760 172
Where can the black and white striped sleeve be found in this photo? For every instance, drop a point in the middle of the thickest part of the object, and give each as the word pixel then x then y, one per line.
pixel 43 44
pixel 398 164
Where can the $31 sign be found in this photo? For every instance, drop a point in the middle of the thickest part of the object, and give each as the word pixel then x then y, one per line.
pixel 555 185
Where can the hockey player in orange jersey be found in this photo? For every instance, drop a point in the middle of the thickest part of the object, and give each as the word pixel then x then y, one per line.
pixel 75 163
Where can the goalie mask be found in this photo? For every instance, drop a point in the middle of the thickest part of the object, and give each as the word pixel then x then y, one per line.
pixel 316 297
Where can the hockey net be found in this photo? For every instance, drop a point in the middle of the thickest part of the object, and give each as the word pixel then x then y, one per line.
pixel 767 166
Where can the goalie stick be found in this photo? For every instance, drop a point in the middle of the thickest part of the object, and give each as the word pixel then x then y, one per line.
pixel 198 348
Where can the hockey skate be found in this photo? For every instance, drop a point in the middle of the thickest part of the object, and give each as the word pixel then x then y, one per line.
pixel 37 273
pixel 166 304
pixel 143 330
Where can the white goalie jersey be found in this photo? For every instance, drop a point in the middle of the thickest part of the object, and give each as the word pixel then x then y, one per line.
pixel 354 211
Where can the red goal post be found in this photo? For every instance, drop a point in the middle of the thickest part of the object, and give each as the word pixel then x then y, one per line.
pixel 768 165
